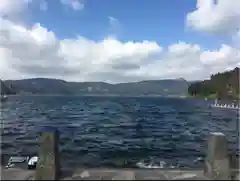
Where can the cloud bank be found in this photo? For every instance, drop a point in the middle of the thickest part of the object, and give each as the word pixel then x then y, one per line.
pixel 221 16
pixel 38 52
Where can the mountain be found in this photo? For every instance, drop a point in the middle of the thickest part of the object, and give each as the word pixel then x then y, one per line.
pixel 40 86
pixel 223 85
pixel 6 89
pixel 173 87
pixel 153 87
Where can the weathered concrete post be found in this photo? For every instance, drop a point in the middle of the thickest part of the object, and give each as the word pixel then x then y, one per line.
pixel 48 166
pixel 217 165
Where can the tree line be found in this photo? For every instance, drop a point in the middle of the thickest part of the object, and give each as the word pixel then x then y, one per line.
pixel 223 85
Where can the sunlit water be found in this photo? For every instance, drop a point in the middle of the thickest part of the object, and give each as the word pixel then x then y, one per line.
pixel 117 131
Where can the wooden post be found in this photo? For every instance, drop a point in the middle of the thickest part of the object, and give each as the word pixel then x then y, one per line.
pixel 48 166
pixel 217 165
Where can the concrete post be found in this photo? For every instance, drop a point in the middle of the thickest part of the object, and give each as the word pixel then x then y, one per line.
pixel 217 165
pixel 48 166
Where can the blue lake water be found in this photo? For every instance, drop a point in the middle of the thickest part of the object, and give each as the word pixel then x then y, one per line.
pixel 117 131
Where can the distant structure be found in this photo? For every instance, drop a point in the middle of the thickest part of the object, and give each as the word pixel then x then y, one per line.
pixel 225 106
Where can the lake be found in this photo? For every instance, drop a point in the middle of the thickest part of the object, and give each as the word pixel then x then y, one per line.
pixel 117 131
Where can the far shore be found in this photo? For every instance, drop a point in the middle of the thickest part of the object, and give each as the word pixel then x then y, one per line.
pixel 102 95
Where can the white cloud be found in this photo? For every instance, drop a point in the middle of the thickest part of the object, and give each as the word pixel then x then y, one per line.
pixel 221 16
pixel 12 7
pixel 37 52
pixel 74 4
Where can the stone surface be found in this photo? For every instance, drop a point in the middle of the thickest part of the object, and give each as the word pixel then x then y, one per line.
pixel 149 175
pixel 140 174
pixel 48 166
pixel 16 174
pixel 124 175
pixel 217 164
pixel 116 174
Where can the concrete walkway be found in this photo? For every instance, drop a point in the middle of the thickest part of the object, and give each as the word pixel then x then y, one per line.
pixel 111 174
pixel 136 174
pixel 16 174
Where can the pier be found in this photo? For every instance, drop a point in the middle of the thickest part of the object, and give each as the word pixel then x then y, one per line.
pixel 225 106
pixel 216 165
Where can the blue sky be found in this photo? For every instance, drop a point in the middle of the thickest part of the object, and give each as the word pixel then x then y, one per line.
pixel 118 40
pixel 161 21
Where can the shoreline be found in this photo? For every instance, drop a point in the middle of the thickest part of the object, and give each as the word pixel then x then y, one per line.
pixel 99 95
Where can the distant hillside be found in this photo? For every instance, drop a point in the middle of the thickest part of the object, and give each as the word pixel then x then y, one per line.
pixel 6 89
pixel 39 86
pixel 222 86
pixel 175 87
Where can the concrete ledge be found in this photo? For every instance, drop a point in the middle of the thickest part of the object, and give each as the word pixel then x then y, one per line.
pixel 16 174
pixel 217 165
pixel 48 166
pixel 116 174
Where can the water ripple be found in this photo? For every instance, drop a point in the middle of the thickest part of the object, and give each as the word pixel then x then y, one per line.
pixel 116 131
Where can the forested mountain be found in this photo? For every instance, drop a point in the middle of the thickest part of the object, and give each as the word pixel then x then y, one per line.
pixel 6 89
pixel 221 85
pixel 173 87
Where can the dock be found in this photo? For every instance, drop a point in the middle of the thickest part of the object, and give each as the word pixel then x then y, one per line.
pixel 225 106
pixel 216 165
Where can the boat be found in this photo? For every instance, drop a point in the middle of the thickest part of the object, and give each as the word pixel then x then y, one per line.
pixel 3 98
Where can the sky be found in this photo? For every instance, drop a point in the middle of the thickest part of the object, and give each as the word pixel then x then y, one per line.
pixel 118 40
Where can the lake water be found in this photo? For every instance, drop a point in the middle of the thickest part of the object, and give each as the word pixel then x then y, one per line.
pixel 117 131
